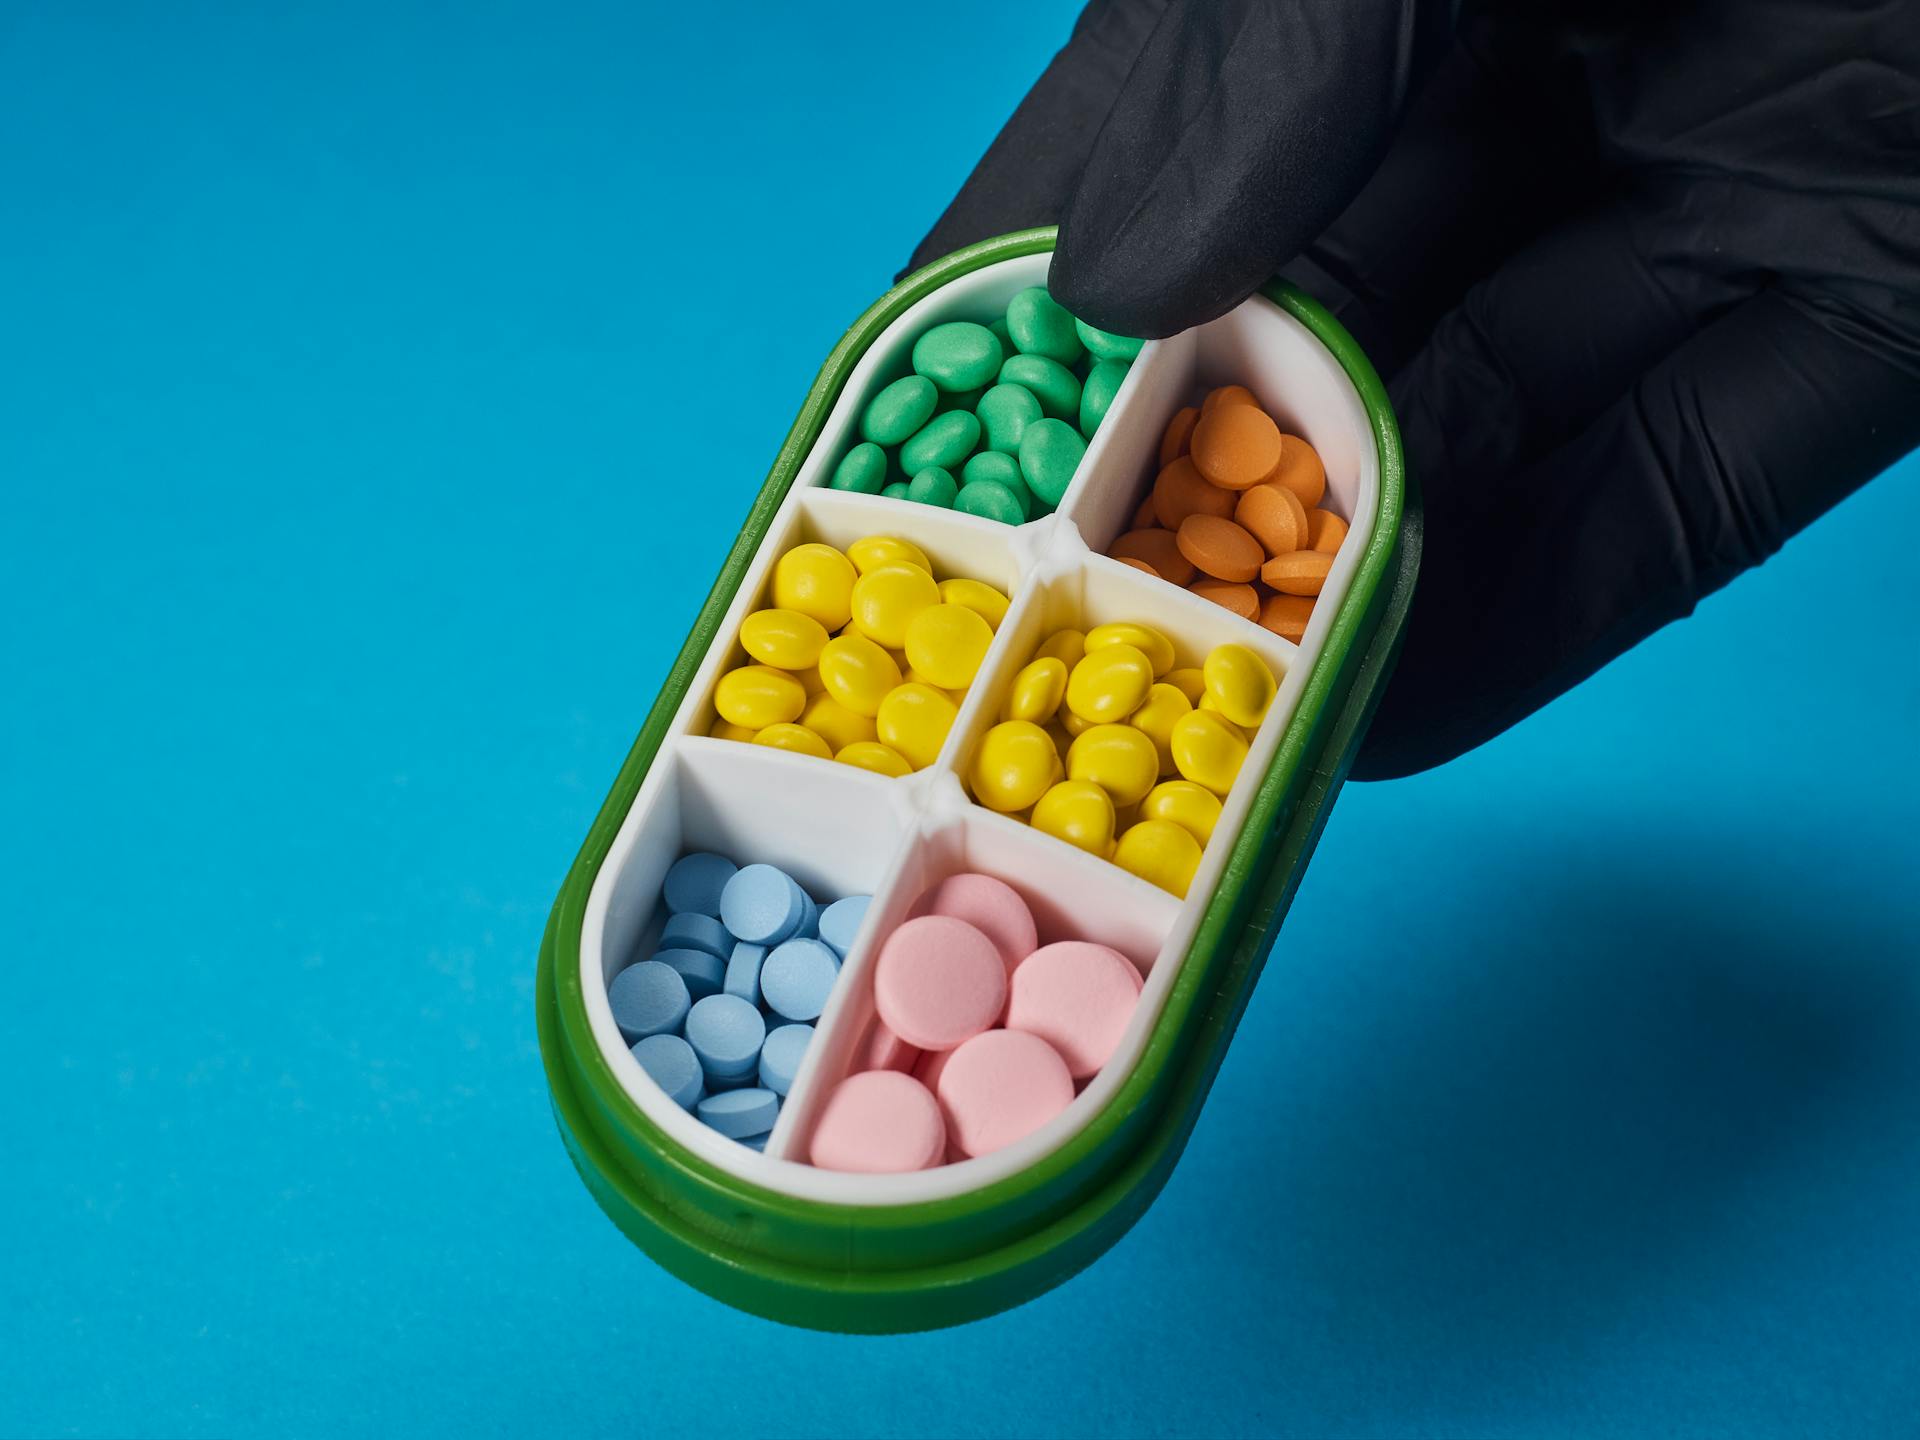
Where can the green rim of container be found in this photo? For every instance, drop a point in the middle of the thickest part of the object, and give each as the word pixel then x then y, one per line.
pixel 925 1265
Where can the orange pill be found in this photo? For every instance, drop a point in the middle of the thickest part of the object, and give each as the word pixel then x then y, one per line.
pixel 1160 551
pixel 1287 615
pixel 1300 471
pixel 1325 531
pixel 1236 446
pixel 1301 573
pixel 1144 518
pixel 1220 548
pixel 1275 517
pixel 1139 565
pixel 1227 395
pixel 1181 490
pixel 1173 441
pixel 1242 600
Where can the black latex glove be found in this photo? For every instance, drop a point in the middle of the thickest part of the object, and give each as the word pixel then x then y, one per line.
pixel 1644 279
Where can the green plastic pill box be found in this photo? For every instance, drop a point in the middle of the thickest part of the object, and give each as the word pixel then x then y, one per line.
pixel 767 1232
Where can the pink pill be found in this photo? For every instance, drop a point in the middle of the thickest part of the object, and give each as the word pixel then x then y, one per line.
pixel 938 981
pixel 990 906
pixel 887 1051
pixel 1078 997
pixel 879 1122
pixel 928 1067
pixel 1001 1087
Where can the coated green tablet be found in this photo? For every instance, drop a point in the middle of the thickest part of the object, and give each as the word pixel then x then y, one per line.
pixel 991 501
pixel 1049 454
pixel 1103 383
pixel 958 355
pixel 1053 384
pixel 899 410
pixel 896 491
pixel 946 441
pixel 1040 325
pixel 1104 345
pixel 863 468
pixel 1005 411
pixel 1000 469
pixel 933 486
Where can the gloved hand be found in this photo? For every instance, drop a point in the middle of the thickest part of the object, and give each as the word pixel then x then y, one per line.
pixel 1644 278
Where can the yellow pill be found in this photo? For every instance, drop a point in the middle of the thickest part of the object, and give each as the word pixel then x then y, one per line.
pixel 946 643
pixel 1110 684
pixel 816 580
pixel 1014 766
pixel 1190 682
pixel 1164 705
pixel 978 596
pixel 1072 723
pixel 912 676
pixel 1161 853
pixel 1194 808
pixel 1118 758
pixel 835 723
pixel 1078 812
pixel 757 696
pixel 1208 750
pixel 858 673
pixel 797 738
pixel 914 719
pixel 1036 692
pixel 887 597
pixel 727 730
pixel 1240 684
pixel 874 551
pixel 784 638
pixel 872 755
pixel 1144 638
pixel 1066 646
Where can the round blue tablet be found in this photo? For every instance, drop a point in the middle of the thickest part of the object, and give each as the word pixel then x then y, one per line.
pixel 740 1113
pixel 726 1033
pixel 756 1142
pixel 691 930
pixel 761 905
pixel 702 972
pixel 648 999
pixel 743 972
pixel 809 926
pixel 780 1057
pixel 840 922
pixel 673 1066
pixel 695 882
pixel 797 978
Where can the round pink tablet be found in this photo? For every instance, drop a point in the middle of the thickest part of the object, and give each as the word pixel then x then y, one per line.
pixel 928 1067
pixel 879 1122
pixel 990 906
pixel 938 981
pixel 887 1051
pixel 1001 1087
pixel 1076 996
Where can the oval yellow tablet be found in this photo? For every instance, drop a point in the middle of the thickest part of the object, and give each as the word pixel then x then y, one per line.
pixel 835 723
pixel 887 597
pixel 1240 684
pixel 1078 812
pixel 1161 853
pixel 978 596
pixel 1037 691
pixel 1189 681
pixel 872 755
pixel 858 673
pixel 1073 724
pixel 783 638
pixel 1208 750
pixel 727 730
pixel 1164 705
pixel 816 580
pixel 1194 808
pixel 872 551
pixel 1013 766
pixel 914 719
pixel 1066 646
pixel 1118 758
pixel 1109 684
pixel 757 696
pixel 947 642
pixel 1148 641
pixel 797 738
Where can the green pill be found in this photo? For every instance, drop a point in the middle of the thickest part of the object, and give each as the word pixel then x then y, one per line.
pixel 1104 346
pixel 945 440
pixel 933 486
pixel 1002 334
pixel 991 501
pixel 1049 454
pixel 1041 326
pixel 1103 383
pixel 863 468
pixel 1005 412
pixel 899 410
pixel 998 469
pixel 1053 384
pixel 958 355
pixel 896 491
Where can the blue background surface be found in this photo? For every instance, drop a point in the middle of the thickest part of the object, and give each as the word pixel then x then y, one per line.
pixel 379 389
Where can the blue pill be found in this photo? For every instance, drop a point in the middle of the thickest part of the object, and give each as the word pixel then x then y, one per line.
pixel 648 999
pixel 694 931
pixel 797 978
pixel 740 1113
pixel 743 972
pixel 762 906
pixel 756 1142
pixel 809 927
pixel 695 882
pixel 780 1057
pixel 726 1033
pixel 702 972
pixel 673 1066
pixel 840 922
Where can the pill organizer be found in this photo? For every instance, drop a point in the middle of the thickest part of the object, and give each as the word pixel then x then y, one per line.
pixel 764 1230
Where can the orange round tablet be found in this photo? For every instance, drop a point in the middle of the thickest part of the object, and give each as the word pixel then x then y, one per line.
pixel 1139 565
pixel 1173 441
pixel 1301 573
pixel 1220 548
pixel 1226 395
pixel 1181 490
pixel 1287 615
pixel 1236 446
pixel 1242 600
pixel 1144 518
pixel 1300 470
pixel 1275 517
pixel 1159 549
pixel 1325 531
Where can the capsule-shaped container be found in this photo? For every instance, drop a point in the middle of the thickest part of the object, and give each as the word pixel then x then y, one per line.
pixel 766 1231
